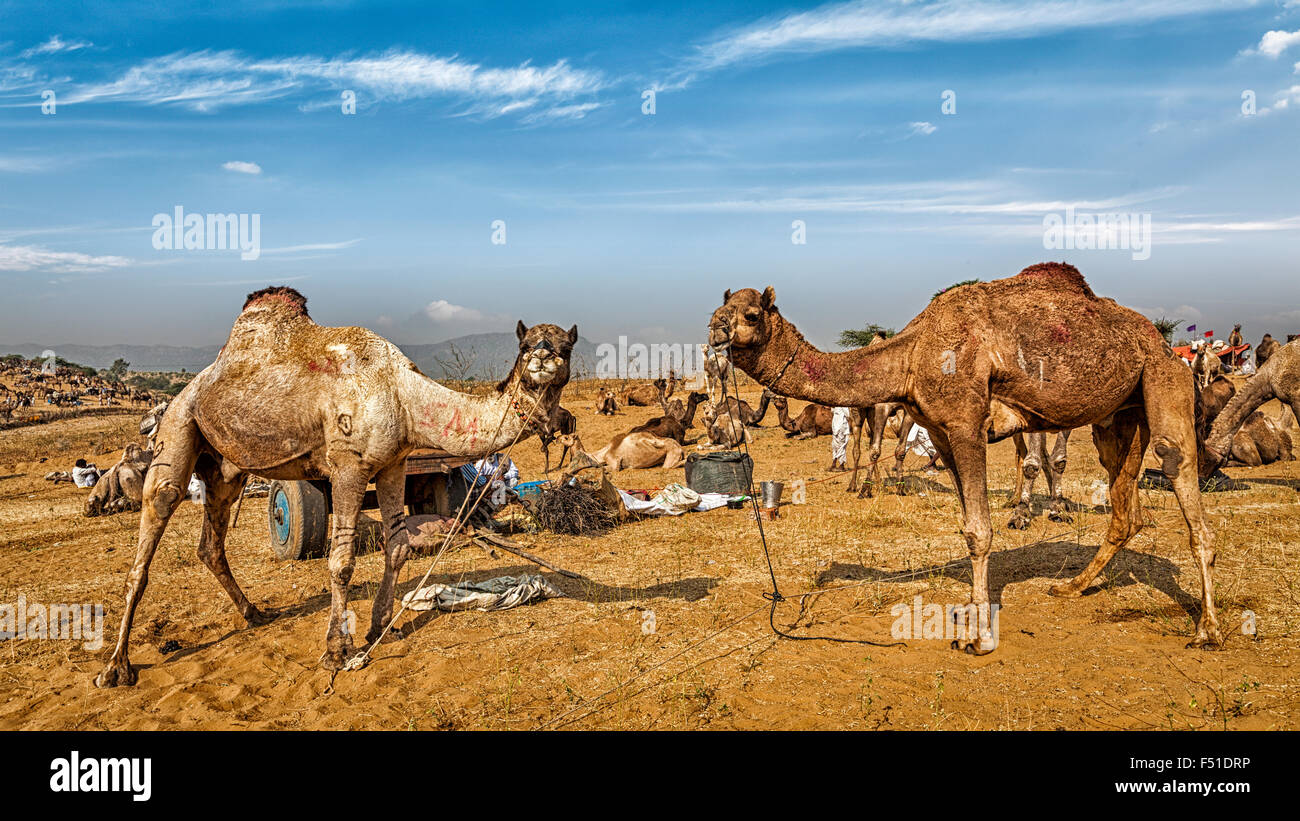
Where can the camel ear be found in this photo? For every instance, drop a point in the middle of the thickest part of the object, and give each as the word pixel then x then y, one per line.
pixel 520 330
pixel 726 296
pixel 769 298
pixel 573 335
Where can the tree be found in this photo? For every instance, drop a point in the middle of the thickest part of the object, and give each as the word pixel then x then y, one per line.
pixel 1166 327
pixel 862 338
pixel 456 364
pixel 118 369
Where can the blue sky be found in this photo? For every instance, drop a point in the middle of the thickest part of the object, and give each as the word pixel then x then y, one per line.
pixel 625 222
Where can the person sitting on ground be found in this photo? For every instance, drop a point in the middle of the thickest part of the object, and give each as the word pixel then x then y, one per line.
pixel 84 474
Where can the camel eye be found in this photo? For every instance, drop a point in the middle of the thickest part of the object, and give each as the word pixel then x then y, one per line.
pixel 751 315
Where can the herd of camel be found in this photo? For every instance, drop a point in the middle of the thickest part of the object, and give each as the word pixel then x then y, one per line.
pixel 1028 355
pixel 63 387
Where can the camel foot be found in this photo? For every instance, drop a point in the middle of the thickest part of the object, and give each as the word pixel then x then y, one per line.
pixel 337 654
pixel 1021 519
pixel 976 647
pixel 866 492
pixel 1207 640
pixel 257 618
pixel 1066 590
pixel 395 633
pixel 116 674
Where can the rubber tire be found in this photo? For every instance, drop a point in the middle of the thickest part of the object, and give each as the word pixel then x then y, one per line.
pixel 307 534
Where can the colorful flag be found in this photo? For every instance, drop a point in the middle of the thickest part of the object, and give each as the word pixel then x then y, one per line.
pixel 1209 334
pixel 1191 328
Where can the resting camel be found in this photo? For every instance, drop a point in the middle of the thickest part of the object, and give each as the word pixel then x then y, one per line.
pixel 646 395
pixel 1267 347
pixel 289 399
pixel 1261 440
pixel 987 360
pixel 1278 379
pixel 726 429
pixel 683 413
pixel 640 449
pixel 1031 458
pixel 606 404
pixel 812 421
pixel 121 487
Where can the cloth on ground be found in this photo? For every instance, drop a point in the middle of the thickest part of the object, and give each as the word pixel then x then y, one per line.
pixel 919 441
pixel 673 500
pixel 500 593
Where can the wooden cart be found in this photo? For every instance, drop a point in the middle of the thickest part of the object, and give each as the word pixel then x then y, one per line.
pixel 299 512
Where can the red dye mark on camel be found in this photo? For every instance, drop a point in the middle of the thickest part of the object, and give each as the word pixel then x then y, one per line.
pixel 814 370
pixel 325 365
pixel 1060 334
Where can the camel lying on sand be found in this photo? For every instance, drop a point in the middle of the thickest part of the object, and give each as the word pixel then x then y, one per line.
pixel 606 403
pixel 640 449
pixel 1261 440
pixel 987 360
pixel 121 487
pixel 289 399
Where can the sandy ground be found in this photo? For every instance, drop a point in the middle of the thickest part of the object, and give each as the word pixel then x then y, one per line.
pixel 1111 659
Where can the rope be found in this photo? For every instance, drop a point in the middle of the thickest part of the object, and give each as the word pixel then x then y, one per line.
pixel 775 596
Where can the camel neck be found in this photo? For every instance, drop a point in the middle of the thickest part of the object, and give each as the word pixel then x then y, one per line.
pixel 1257 390
pixel 463 424
pixel 791 366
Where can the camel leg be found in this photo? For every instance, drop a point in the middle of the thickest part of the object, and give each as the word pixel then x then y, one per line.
pixel 970 471
pixel 1018 440
pixel 222 491
pixel 877 423
pixel 1172 430
pixel 1031 464
pixel 1056 479
pixel 905 426
pixel 164 488
pixel 1120 448
pixel 348 491
pixel 390 487
pixel 858 419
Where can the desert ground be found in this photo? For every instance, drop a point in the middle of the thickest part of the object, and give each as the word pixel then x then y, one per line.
pixel 1114 658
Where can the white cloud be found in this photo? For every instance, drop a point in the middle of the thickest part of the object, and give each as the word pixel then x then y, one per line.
pixel 319 246
pixel 866 23
pixel 54 45
pixel 35 258
pixel 1273 43
pixel 922 128
pixel 207 80
pixel 242 167
pixel 440 310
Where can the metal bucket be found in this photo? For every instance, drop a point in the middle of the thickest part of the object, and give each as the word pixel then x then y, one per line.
pixel 772 493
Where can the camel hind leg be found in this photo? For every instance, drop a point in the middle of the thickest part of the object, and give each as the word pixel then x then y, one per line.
pixel 1168 411
pixel 1031 454
pixel 390 487
pixel 878 421
pixel 1059 511
pixel 178 442
pixel 905 425
pixel 1120 448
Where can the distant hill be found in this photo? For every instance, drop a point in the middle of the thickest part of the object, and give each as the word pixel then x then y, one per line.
pixel 487 356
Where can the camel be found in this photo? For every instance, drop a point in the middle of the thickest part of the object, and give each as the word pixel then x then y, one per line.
pixel 875 419
pixel 1031 458
pixel 646 395
pixel 685 413
pixel 987 360
pixel 606 403
pixel 640 449
pixel 1261 440
pixel 812 421
pixel 121 487
pixel 562 422
pixel 289 399
pixel 1278 379
pixel 1206 366
pixel 726 429
pixel 717 373
pixel 1267 347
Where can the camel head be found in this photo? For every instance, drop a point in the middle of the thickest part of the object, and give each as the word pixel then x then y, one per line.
pixel 544 352
pixel 745 320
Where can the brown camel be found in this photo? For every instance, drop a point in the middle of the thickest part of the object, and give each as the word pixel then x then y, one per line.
pixel 289 399
pixel 1278 379
pixel 121 487
pixel 987 360
pixel 726 429
pixel 562 422
pixel 1261 440
pixel 606 403
pixel 647 395
pixel 812 421
pixel 1206 365
pixel 640 449
pixel 876 419
pixel 717 374
pixel 1267 347
pixel 1031 458
pixel 684 413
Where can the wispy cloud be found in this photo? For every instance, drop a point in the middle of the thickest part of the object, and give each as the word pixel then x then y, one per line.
pixel 35 258
pixel 54 45
pixel 242 167
pixel 209 80
pixel 921 129
pixel 884 23
pixel 320 246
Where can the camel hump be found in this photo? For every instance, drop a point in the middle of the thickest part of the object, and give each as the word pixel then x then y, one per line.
pixel 279 296
pixel 1060 274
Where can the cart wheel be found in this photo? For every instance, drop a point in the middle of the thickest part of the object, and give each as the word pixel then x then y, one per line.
pixel 299 520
